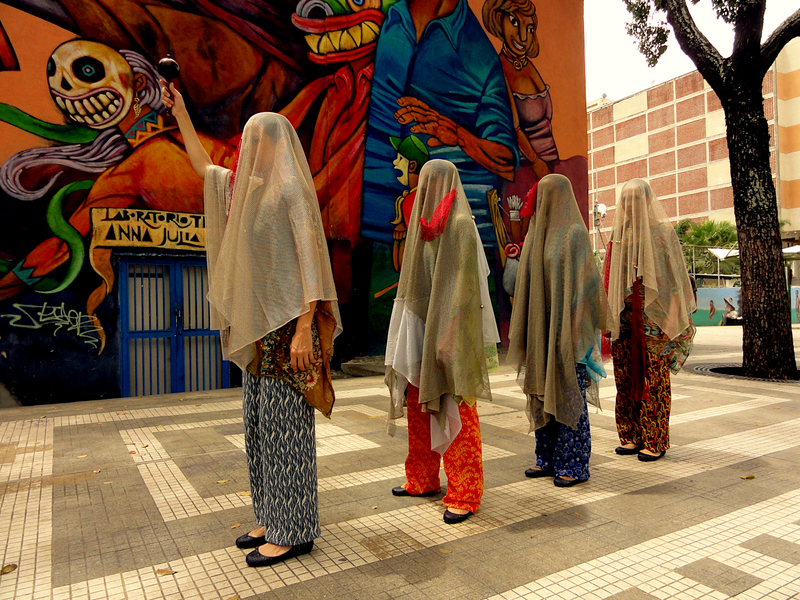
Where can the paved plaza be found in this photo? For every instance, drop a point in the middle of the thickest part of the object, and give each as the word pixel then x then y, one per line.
pixel 143 498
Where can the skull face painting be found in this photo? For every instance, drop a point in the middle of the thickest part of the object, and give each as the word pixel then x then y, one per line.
pixel 91 83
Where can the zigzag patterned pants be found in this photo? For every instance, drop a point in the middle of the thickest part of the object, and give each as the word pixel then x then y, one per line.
pixel 281 460
pixel 642 421
pixel 463 461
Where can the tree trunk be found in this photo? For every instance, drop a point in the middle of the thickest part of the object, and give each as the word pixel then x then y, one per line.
pixel 768 348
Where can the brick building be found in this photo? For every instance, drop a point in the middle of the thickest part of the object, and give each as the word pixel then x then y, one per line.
pixel 673 135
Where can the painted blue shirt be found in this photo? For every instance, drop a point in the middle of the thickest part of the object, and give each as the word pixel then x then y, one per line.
pixel 455 70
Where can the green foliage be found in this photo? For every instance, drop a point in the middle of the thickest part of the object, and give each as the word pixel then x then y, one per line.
pixel 650 29
pixel 696 238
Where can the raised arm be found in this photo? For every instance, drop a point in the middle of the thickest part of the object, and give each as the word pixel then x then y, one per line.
pixel 197 154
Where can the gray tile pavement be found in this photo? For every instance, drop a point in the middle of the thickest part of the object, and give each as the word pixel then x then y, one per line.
pixel 97 497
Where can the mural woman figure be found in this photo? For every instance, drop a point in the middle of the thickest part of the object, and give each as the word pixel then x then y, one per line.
pixel 442 338
pixel 514 22
pixel 650 301
pixel 274 301
pixel 560 308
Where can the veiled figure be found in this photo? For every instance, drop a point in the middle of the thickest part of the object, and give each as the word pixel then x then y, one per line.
pixel 650 304
pixel 559 311
pixel 441 343
pixel 273 298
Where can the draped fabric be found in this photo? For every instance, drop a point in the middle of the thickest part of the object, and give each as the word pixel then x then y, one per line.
pixel 560 306
pixel 644 245
pixel 267 255
pixel 439 301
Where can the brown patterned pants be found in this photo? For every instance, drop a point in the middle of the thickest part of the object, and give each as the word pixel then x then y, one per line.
pixel 642 421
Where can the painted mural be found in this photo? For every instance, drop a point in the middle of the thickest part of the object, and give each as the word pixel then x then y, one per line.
pixel 93 169
pixel 722 306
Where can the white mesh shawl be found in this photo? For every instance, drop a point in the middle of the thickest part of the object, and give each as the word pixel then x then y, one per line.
pixel 644 244
pixel 559 306
pixel 440 286
pixel 269 260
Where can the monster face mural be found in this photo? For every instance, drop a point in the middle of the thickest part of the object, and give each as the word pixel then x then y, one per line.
pixel 91 83
pixel 339 34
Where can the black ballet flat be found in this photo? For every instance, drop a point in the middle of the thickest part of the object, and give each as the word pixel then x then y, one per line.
pixel 561 482
pixel 256 559
pixel 650 458
pixel 622 451
pixel 452 518
pixel 248 541
pixel 534 473
pixel 401 491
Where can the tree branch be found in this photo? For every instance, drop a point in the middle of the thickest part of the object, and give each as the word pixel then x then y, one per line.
pixel 787 30
pixel 748 25
pixel 695 45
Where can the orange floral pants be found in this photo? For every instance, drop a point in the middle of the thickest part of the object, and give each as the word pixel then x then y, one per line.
pixel 463 462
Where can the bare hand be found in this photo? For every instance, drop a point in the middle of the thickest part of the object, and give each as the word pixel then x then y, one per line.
pixel 443 131
pixel 172 98
pixel 301 349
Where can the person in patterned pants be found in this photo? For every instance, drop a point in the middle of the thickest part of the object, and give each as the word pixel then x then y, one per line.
pixel 264 232
pixel 650 301
pixel 441 344
pixel 560 308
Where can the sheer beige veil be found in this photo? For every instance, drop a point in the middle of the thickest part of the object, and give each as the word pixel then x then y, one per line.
pixel 439 284
pixel 267 254
pixel 560 305
pixel 644 244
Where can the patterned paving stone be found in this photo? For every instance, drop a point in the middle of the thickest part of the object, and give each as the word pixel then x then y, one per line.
pixel 97 497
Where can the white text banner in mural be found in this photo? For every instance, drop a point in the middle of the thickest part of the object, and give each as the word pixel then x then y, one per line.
pixel 154 229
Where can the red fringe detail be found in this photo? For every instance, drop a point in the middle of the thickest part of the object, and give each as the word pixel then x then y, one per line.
pixel 529 203
pixel 430 231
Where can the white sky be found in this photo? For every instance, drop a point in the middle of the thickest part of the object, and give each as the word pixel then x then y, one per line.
pixel 614 65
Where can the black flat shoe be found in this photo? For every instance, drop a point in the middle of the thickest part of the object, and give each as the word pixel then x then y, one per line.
pixel 452 518
pixel 561 482
pixel 256 559
pixel 649 457
pixel 401 491
pixel 622 451
pixel 534 473
pixel 248 541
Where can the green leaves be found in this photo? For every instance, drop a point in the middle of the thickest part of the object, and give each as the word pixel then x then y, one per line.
pixel 648 28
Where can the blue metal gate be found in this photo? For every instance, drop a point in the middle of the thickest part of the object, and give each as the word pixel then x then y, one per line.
pixel 167 343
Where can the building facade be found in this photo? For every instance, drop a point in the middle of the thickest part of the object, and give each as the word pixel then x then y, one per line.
pixel 673 135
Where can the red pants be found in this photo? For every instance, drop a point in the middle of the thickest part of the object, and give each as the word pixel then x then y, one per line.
pixel 463 462
pixel 642 421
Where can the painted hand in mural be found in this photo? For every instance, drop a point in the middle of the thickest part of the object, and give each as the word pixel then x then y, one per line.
pixel 445 132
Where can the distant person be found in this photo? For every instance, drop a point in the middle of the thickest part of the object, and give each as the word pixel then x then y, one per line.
pixel 731 315
pixel 650 302
pixel 712 310
pixel 560 308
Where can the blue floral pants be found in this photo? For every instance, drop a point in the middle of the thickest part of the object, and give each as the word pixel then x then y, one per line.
pixel 562 450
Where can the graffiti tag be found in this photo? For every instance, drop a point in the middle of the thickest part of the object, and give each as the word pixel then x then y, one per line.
pixel 37 316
